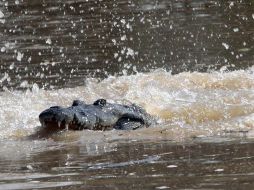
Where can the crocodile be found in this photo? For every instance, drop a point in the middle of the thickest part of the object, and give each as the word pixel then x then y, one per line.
pixel 101 115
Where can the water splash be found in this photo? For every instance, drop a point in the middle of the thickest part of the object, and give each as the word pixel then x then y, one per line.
pixel 186 104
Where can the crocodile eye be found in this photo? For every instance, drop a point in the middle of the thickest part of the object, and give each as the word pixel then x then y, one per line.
pixel 100 102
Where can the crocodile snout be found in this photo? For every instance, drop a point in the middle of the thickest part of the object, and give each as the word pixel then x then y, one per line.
pixel 56 117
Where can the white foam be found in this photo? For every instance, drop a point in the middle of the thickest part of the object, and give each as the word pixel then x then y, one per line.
pixel 187 104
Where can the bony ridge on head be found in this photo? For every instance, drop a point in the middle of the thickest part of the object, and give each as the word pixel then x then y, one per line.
pixel 77 103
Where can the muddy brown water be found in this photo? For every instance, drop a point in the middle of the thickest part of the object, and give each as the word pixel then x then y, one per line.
pixel 188 63
pixel 213 164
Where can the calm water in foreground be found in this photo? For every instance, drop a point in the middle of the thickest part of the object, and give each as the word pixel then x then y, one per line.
pixel 188 63
pixel 128 165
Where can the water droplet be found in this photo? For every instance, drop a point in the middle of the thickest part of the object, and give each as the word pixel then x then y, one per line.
pixel 115 55
pixel 20 56
pixel 48 41
pixel 219 170
pixel 236 29
pixel 123 38
pixel 130 52
pixel 172 166
pixel 12 66
pixel 3 49
pixel 226 46
pixel 35 88
pixel 163 187
pixel 1 14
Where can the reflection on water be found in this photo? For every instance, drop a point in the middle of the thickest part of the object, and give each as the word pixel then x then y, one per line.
pixel 60 43
pixel 135 165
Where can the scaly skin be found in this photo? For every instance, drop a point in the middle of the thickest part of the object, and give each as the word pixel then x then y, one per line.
pixel 100 115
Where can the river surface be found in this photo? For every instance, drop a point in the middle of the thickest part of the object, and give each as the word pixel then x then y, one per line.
pixel 188 63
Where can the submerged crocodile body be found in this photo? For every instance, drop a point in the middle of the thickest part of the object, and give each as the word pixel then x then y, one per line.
pixel 100 115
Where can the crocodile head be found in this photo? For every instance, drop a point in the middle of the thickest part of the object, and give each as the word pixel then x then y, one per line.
pixel 56 117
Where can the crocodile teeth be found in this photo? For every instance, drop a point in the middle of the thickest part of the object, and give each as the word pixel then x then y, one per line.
pixel 67 126
pixel 59 124
pixel 43 124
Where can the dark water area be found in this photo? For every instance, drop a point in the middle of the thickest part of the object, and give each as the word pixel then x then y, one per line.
pixel 133 165
pixel 61 43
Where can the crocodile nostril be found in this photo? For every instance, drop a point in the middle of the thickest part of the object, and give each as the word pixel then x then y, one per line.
pixel 77 103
